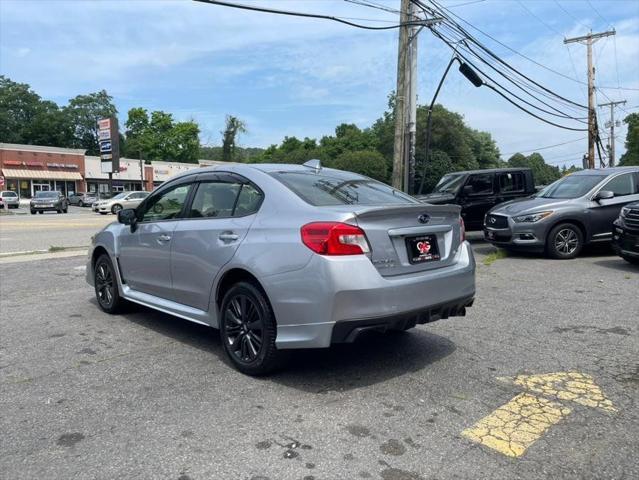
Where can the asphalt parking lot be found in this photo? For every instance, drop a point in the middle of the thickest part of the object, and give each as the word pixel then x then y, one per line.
pixel 539 380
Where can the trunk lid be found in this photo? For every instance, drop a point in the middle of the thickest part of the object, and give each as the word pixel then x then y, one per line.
pixel 394 231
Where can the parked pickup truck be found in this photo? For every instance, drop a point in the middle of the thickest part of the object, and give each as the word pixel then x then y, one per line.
pixel 477 191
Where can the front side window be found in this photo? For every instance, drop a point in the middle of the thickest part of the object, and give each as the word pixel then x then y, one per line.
pixel 622 185
pixel 481 184
pixel 166 205
pixel 332 187
pixel 511 182
pixel 214 199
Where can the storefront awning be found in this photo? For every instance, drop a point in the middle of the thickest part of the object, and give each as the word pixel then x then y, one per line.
pixel 40 174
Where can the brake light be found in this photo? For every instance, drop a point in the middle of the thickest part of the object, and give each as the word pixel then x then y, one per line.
pixel 462 229
pixel 334 238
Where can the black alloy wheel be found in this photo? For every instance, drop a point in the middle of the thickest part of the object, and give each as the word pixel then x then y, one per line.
pixel 106 287
pixel 565 241
pixel 247 330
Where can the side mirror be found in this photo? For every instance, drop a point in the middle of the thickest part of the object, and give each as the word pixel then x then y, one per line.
pixel 127 216
pixel 603 195
pixel 468 190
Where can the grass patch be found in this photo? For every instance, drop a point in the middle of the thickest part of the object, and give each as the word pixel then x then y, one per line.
pixel 493 257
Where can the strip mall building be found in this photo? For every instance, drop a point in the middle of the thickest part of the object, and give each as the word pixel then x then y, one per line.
pixel 27 169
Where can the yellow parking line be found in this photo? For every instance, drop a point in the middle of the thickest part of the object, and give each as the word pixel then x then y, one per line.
pixel 515 426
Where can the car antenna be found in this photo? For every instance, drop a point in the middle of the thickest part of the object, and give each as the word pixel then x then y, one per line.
pixel 314 164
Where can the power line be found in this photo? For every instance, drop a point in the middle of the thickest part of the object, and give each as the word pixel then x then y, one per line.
pixel 374 5
pixel 560 114
pixel 492 54
pixel 307 15
pixel 572 16
pixel 545 147
pixel 598 14
pixel 439 11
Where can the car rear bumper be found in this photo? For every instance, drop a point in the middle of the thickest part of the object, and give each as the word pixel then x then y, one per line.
pixel 332 295
pixel 46 209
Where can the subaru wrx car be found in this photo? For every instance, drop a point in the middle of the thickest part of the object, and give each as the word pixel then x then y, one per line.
pixel 284 257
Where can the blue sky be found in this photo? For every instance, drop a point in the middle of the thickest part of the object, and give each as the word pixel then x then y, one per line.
pixel 294 76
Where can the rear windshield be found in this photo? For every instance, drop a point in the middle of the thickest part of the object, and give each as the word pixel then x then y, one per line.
pixel 334 187
pixel 572 186
pixel 9 194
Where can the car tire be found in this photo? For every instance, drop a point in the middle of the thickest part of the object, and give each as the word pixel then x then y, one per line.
pixel 116 208
pixel 66 209
pixel 564 241
pixel 102 213
pixel 80 203
pixel 106 285
pixel 244 312
pixel 41 212
pixel 33 212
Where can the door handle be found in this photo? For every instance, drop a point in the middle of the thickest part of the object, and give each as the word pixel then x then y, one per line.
pixel 228 236
pixel 163 238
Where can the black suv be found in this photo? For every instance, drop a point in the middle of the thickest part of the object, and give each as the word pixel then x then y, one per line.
pixel 477 191
pixel 625 237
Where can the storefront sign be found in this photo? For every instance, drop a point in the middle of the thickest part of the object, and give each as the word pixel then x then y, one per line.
pixel 109 136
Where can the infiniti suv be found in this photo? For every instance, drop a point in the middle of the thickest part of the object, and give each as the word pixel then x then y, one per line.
pixel 566 215
pixel 284 257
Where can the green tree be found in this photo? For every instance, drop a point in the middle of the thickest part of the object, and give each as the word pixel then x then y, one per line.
pixel 631 156
pixel 26 118
pixel 159 137
pixel 234 126
pixel 366 162
pixel 543 173
pixel 83 112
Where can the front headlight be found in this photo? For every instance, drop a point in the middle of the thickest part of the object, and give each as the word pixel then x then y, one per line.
pixel 532 217
pixel 625 211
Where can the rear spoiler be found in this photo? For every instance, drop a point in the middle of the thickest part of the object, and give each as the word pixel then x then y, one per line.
pixel 371 212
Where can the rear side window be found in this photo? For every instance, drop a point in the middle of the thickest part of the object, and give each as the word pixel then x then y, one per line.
pixel 248 201
pixel 622 185
pixel 482 184
pixel 511 182
pixel 332 187
pixel 214 199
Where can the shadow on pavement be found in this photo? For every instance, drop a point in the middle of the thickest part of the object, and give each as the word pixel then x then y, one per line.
pixel 618 264
pixel 374 358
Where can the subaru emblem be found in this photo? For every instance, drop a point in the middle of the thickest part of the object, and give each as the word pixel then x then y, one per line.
pixel 424 218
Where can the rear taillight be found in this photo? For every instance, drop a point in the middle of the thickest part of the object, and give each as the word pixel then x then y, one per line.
pixel 333 238
pixel 462 229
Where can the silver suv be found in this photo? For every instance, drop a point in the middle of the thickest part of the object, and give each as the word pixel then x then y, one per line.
pixel 563 217
pixel 285 257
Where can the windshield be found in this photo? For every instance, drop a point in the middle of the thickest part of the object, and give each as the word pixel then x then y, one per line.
pixel 449 183
pixel 46 195
pixel 9 194
pixel 120 195
pixel 332 187
pixel 573 186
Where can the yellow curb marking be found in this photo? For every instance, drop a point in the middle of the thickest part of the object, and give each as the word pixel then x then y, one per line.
pixel 515 426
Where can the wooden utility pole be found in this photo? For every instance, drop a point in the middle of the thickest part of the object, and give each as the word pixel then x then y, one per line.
pixel 399 147
pixel 588 40
pixel 611 141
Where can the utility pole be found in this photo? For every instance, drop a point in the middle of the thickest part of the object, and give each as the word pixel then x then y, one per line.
pixel 411 134
pixel 588 40
pixel 611 141
pixel 399 146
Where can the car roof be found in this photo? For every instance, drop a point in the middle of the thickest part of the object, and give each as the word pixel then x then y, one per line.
pixel 606 171
pixel 491 170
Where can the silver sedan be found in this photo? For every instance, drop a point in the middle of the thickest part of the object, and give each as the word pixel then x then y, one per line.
pixel 282 257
